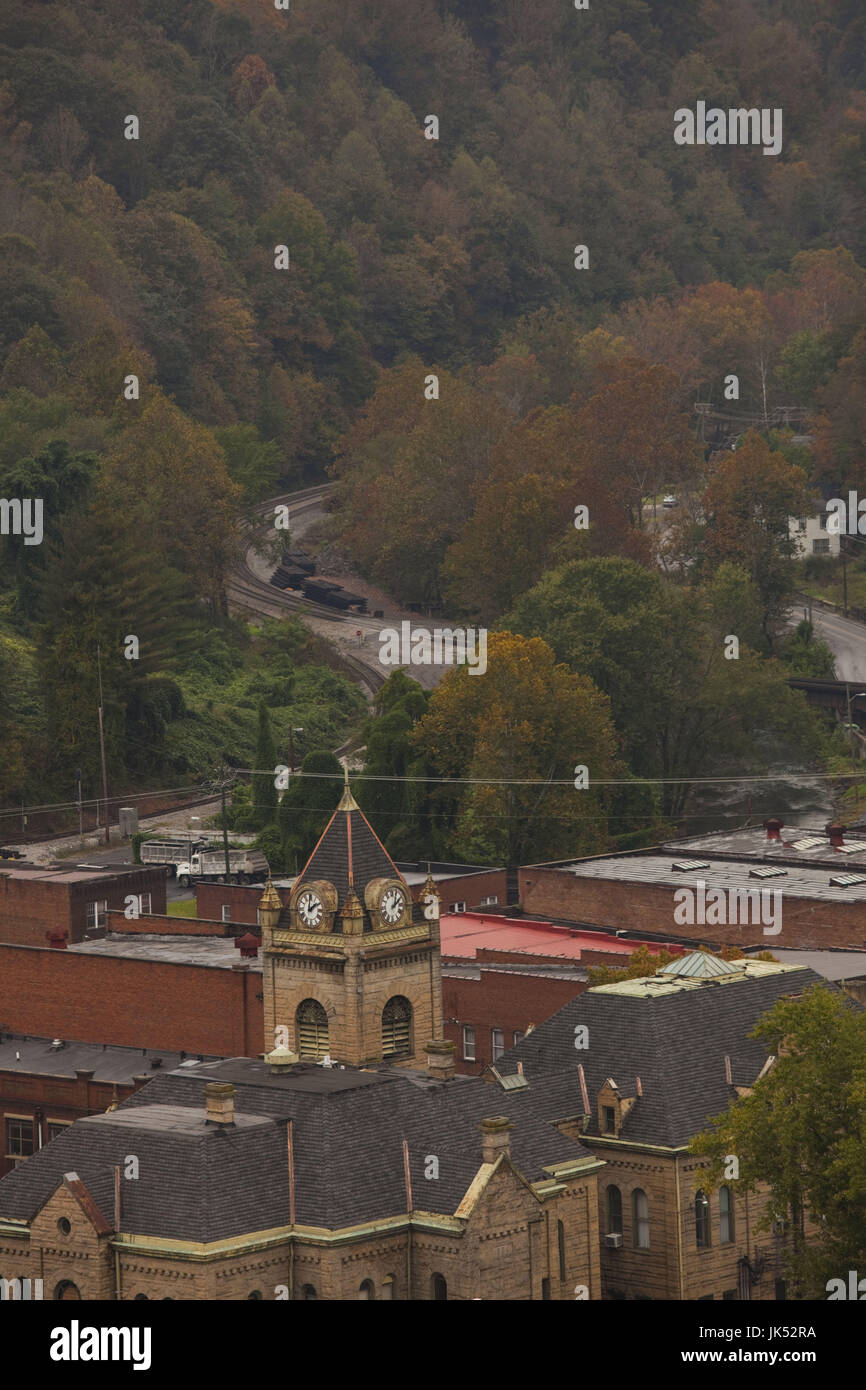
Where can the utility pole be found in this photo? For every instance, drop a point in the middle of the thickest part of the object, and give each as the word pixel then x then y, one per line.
pixel 80 810
pixel 224 779
pixel 102 747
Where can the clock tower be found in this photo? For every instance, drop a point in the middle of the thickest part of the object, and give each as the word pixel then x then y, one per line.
pixel 351 965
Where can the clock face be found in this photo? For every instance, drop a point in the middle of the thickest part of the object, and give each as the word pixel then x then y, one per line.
pixel 310 908
pixel 392 905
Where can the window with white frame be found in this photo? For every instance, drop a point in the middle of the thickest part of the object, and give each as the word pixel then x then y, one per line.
pixel 227 912
pixel 468 1043
pixel 457 907
pixel 497 1042
pixel 97 914
pixel 146 904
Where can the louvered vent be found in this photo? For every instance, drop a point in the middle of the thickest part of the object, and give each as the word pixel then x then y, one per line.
pixel 397 1027
pixel 312 1030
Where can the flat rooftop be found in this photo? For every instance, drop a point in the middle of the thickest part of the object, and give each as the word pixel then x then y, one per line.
pixel 463 934
pixel 71 873
pixel 833 965
pixel 655 986
pixel 39 1057
pixel 217 951
pixel 798 844
pixel 796 881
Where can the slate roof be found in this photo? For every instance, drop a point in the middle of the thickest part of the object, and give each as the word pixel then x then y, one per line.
pixel 198 1182
pixel 674 1034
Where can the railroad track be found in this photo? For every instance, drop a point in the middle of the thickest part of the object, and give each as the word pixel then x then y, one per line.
pixel 248 592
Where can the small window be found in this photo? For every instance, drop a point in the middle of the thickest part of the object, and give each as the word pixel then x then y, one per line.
pixel 387 1292
pixel 55 1128
pixel 146 904
pixel 141 1298
pixel 468 1044
pixel 560 1241
pixel 19 1138
pixel 726 1216
pixel 705 1298
pixel 801 524
pixel 367 1290
pixel 497 1042
pixel 545 1289
pixel 821 547
pixel 489 902
pixel 457 907
pixel 730 1296
pixel 438 1288
pixel 614 1211
pixel 781 1290
pixel 97 915
pixel 256 1294
pixel 517 1037
pixel 640 1219
pixel 64 1226
pixel 308 1292
pixel 227 912
pixel 608 1116
pixel 702 1220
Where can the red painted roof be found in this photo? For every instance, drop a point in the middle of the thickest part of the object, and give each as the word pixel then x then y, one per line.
pixel 465 933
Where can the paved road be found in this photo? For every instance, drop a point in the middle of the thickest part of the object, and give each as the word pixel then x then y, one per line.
pixel 845 638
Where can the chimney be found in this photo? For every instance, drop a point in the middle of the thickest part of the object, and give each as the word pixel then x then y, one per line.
pixel 248 945
pixel 773 828
pixel 220 1103
pixel 440 1058
pixel 56 938
pixel 835 832
pixel 495 1138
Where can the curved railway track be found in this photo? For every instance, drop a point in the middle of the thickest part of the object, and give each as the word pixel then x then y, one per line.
pixel 247 591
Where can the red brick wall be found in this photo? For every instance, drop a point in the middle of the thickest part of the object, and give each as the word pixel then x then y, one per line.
pixel 30 907
pixel 243 900
pixel 806 922
pixel 55 1098
pixel 470 889
pixel 131 1003
pixel 155 925
pixel 498 1000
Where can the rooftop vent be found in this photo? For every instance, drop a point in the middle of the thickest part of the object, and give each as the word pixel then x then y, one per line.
pixel 852 847
pixel 248 945
pixel 811 842
pixel 773 828
pixel 846 880
pixel 699 965
pixel 57 1044
pixel 688 866
pixel 835 831
pixel 773 871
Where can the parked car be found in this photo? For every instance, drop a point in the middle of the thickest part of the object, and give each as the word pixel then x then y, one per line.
pixel 670 501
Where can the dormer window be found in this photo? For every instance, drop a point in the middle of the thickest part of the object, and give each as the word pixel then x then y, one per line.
pixel 608 1119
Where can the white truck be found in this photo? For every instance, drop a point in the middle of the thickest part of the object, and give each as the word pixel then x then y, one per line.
pixel 170 851
pixel 209 866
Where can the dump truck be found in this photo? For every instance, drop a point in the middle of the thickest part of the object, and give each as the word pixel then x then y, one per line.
pixel 171 852
pixel 209 866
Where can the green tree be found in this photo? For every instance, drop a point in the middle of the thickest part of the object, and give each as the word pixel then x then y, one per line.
pixel 265 795
pixel 801 1132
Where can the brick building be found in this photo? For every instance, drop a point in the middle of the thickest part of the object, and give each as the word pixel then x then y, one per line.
pixel 501 976
pixel 657 1057
pixel 46 1084
pixel 819 878
pixel 71 899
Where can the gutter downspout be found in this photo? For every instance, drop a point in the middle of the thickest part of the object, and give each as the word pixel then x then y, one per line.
pixel 408 1178
pixel 679 1227
pixel 118 1292
pixel 291 1156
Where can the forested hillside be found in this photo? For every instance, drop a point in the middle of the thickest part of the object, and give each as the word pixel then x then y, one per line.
pixel 154 257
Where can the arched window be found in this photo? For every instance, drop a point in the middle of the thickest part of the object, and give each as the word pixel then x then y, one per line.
pixel 640 1219
pixel 312 1030
pixel 397 1027
pixel 560 1240
pixel 614 1211
pixel 367 1290
pixel 726 1216
pixel 66 1290
pixel 387 1289
pixel 141 1298
pixel 702 1219
pixel 256 1293
pixel 308 1292
pixel 438 1287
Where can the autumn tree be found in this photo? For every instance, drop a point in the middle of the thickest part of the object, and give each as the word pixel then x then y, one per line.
pixel 510 740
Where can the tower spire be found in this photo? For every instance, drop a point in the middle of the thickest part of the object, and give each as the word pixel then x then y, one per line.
pixel 347 801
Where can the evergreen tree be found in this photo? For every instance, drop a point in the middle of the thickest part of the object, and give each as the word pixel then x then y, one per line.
pixel 265 798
